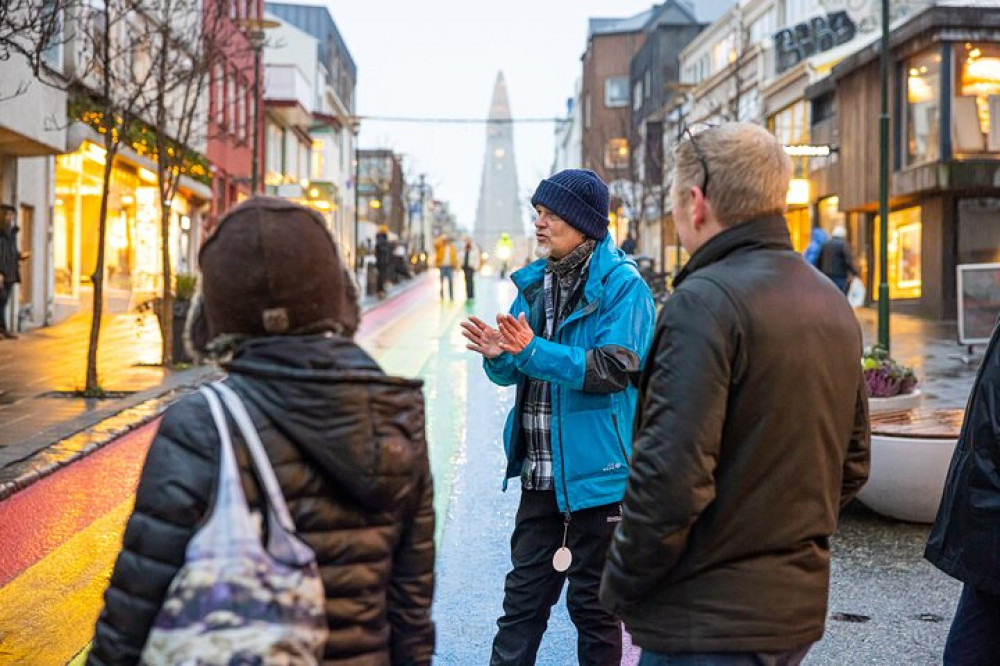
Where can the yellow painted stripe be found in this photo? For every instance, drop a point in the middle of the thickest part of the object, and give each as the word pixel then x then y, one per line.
pixel 47 614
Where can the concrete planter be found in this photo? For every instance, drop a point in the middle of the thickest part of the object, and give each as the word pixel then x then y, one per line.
pixel 907 477
pixel 897 404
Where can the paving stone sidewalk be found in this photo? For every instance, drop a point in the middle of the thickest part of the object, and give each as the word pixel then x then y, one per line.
pixel 43 425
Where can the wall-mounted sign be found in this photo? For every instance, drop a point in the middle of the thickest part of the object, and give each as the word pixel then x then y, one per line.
pixel 821 33
pixel 808 151
pixel 867 14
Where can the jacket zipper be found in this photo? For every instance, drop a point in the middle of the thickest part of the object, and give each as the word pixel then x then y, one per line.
pixel 618 435
pixel 562 468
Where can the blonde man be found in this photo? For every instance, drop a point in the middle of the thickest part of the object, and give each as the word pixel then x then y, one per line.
pixel 751 428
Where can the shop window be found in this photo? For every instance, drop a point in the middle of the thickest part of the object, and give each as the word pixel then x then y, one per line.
pixel 923 101
pixel 616 154
pixel 318 159
pixel 979 231
pixel 799 227
pixel 857 232
pixel 976 106
pixel 830 216
pixel 904 253
pixel 616 91
pixel 791 127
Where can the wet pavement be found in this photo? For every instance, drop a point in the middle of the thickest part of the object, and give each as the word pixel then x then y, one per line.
pixel 902 604
pixel 945 369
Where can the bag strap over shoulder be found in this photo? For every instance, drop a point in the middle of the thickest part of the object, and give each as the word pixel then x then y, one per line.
pixel 258 456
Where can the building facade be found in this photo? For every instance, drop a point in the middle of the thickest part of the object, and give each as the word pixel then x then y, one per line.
pixel 233 96
pixel 133 267
pixel 945 147
pixel 28 141
pixel 380 195
pixel 311 47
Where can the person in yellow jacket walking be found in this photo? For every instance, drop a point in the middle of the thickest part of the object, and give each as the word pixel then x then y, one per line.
pixel 446 258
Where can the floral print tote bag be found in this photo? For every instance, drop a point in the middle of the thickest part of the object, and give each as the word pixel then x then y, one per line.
pixel 235 601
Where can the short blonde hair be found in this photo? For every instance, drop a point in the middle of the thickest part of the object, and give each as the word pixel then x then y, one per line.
pixel 748 171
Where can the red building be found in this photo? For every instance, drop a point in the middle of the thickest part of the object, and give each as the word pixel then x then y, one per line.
pixel 231 104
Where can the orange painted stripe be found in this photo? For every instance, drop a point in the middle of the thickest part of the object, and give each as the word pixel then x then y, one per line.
pixel 43 516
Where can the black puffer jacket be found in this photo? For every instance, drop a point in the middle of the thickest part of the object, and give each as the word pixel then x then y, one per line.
pixel 965 541
pixel 751 433
pixel 347 445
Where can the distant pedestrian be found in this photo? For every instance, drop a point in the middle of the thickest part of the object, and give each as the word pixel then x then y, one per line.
pixel 574 340
pixel 818 238
pixel 10 265
pixel 278 310
pixel 628 245
pixel 383 259
pixel 470 265
pixel 446 258
pixel 836 261
pixel 505 250
pixel 751 429
pixel 965 539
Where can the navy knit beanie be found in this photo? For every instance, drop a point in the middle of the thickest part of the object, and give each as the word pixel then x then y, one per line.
pixel 578 196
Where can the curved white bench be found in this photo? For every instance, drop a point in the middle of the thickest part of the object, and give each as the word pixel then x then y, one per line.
pixel 910 458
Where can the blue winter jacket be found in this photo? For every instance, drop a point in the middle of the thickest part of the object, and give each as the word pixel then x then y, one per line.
pixel 591 432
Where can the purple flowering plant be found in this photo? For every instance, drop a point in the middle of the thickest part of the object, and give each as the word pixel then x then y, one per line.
pixel 884 377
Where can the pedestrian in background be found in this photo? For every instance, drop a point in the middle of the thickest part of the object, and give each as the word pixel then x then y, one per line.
pixel 965 539
pixel 751 430
pixel 278 311
pixel 816 241
pixel 574 340
pixel 10 265
pixel 628 245
pixel 383 259
pixel 470 266
pixel 836 261
pixel 446 259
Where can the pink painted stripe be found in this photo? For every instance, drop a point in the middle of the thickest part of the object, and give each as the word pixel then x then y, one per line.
pixel 383 313
pixel 43 516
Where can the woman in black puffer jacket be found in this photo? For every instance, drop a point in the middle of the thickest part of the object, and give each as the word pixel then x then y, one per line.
pixel 346 442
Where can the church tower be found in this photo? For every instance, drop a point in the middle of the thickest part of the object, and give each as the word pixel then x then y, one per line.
pixel 499 208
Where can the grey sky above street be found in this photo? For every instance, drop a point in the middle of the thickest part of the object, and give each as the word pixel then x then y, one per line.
pixel 439 59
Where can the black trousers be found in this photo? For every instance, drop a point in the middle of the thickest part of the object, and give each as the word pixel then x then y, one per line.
pixel 533 586
pixel 4 298
pixel 470 282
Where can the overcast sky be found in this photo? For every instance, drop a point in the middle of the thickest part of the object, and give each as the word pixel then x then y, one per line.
pixel 439 58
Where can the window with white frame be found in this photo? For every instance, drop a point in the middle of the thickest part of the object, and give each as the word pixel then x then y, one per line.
pixel 616 91
pixel 241 118
pixel 52 26
pixel 219 84
pixel 723 53
pixel 231 82
pixel 764 26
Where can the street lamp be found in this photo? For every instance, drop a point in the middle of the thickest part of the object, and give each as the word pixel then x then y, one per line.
pixel 254 29
pixel 883 186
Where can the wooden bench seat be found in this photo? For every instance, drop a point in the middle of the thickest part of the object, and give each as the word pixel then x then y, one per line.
pixel 920 424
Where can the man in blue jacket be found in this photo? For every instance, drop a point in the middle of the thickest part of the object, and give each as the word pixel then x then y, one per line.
pixel 575 338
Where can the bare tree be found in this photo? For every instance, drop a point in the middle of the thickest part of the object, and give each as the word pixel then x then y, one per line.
pixel 30 29
pixel 190 37
pixel 111 39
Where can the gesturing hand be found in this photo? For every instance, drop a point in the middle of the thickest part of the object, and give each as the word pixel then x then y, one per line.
pixel 483 338
pixel 517 334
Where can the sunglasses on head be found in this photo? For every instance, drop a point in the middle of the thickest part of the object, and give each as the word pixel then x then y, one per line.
pixel 686 132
